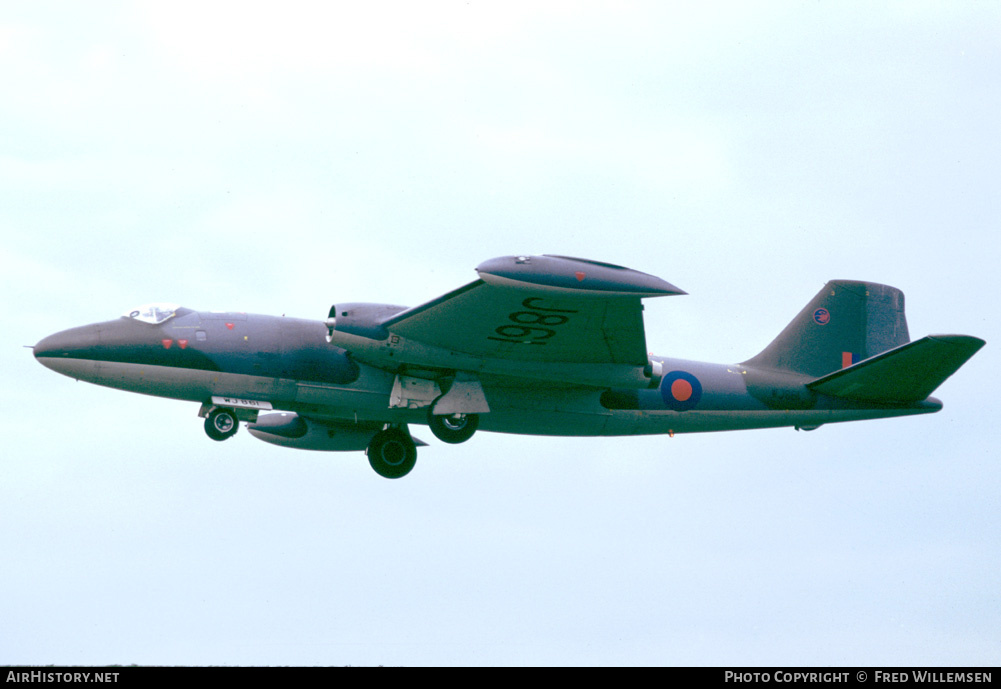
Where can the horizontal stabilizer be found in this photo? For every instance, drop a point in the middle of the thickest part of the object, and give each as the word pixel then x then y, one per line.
pixel 908 373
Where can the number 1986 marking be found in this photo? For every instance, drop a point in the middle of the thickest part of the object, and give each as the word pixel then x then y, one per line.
pixel 532 327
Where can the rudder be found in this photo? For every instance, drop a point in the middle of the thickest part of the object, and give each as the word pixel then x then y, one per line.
pixel 846 322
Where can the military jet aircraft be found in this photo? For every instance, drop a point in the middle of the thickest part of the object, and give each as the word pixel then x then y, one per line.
pixel 545 345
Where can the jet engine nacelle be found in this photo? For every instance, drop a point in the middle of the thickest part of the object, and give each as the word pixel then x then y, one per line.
pixel 361 319
pixel 288 429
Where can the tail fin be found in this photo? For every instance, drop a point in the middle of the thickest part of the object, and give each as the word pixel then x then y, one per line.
pixel 846 322
pixel 908 373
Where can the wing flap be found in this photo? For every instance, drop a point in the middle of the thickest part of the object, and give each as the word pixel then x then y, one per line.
pixel 908 373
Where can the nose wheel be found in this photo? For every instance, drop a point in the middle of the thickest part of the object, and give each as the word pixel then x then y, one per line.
pixel 392 453
pixel 221 424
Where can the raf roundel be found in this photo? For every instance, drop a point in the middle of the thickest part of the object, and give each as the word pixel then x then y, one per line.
pixel 681 390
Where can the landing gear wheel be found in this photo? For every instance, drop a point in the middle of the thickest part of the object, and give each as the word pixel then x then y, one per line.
pixel 221 424
pixel 392 453
pixel 453 428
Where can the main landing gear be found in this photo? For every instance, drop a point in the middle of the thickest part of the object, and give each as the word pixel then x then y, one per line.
pixel 221 423
pixel 453 428
pixel 392 452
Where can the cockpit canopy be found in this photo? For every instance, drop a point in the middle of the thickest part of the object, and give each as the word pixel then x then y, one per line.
pixel 154 314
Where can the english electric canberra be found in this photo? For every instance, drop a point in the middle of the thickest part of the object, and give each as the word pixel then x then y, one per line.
pixel 544 345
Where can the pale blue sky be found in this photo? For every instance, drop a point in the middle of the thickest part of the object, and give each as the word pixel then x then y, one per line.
pixel 280 157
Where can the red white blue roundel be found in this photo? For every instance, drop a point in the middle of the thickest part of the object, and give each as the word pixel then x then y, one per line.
pixel 681 390
pixel 821 316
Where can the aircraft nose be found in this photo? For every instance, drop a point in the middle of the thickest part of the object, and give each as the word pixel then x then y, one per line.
pixel 70 343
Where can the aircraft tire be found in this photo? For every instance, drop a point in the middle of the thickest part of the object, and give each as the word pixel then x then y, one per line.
pixel 221 424
pixel 453 428
pixel 392 453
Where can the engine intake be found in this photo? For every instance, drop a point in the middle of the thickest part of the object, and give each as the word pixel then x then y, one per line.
pixel 360 319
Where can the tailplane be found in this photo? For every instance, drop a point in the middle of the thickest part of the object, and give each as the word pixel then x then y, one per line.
pixel 847 322
pixel 906 374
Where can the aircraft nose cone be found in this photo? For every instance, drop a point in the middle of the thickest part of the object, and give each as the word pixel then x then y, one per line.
pixel 48 346
pixel 66 344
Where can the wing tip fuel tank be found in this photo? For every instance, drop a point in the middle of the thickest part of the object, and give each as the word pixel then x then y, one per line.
pixel 577 275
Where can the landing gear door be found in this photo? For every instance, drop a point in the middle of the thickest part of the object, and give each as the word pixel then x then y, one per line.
pixel 464 397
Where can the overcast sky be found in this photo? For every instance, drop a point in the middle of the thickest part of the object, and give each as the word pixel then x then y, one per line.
pixel 281 157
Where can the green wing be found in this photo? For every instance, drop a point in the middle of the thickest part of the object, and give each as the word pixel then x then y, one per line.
pixel 522 324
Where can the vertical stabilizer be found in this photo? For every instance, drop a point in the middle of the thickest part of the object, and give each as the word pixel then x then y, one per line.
pixel 848 321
